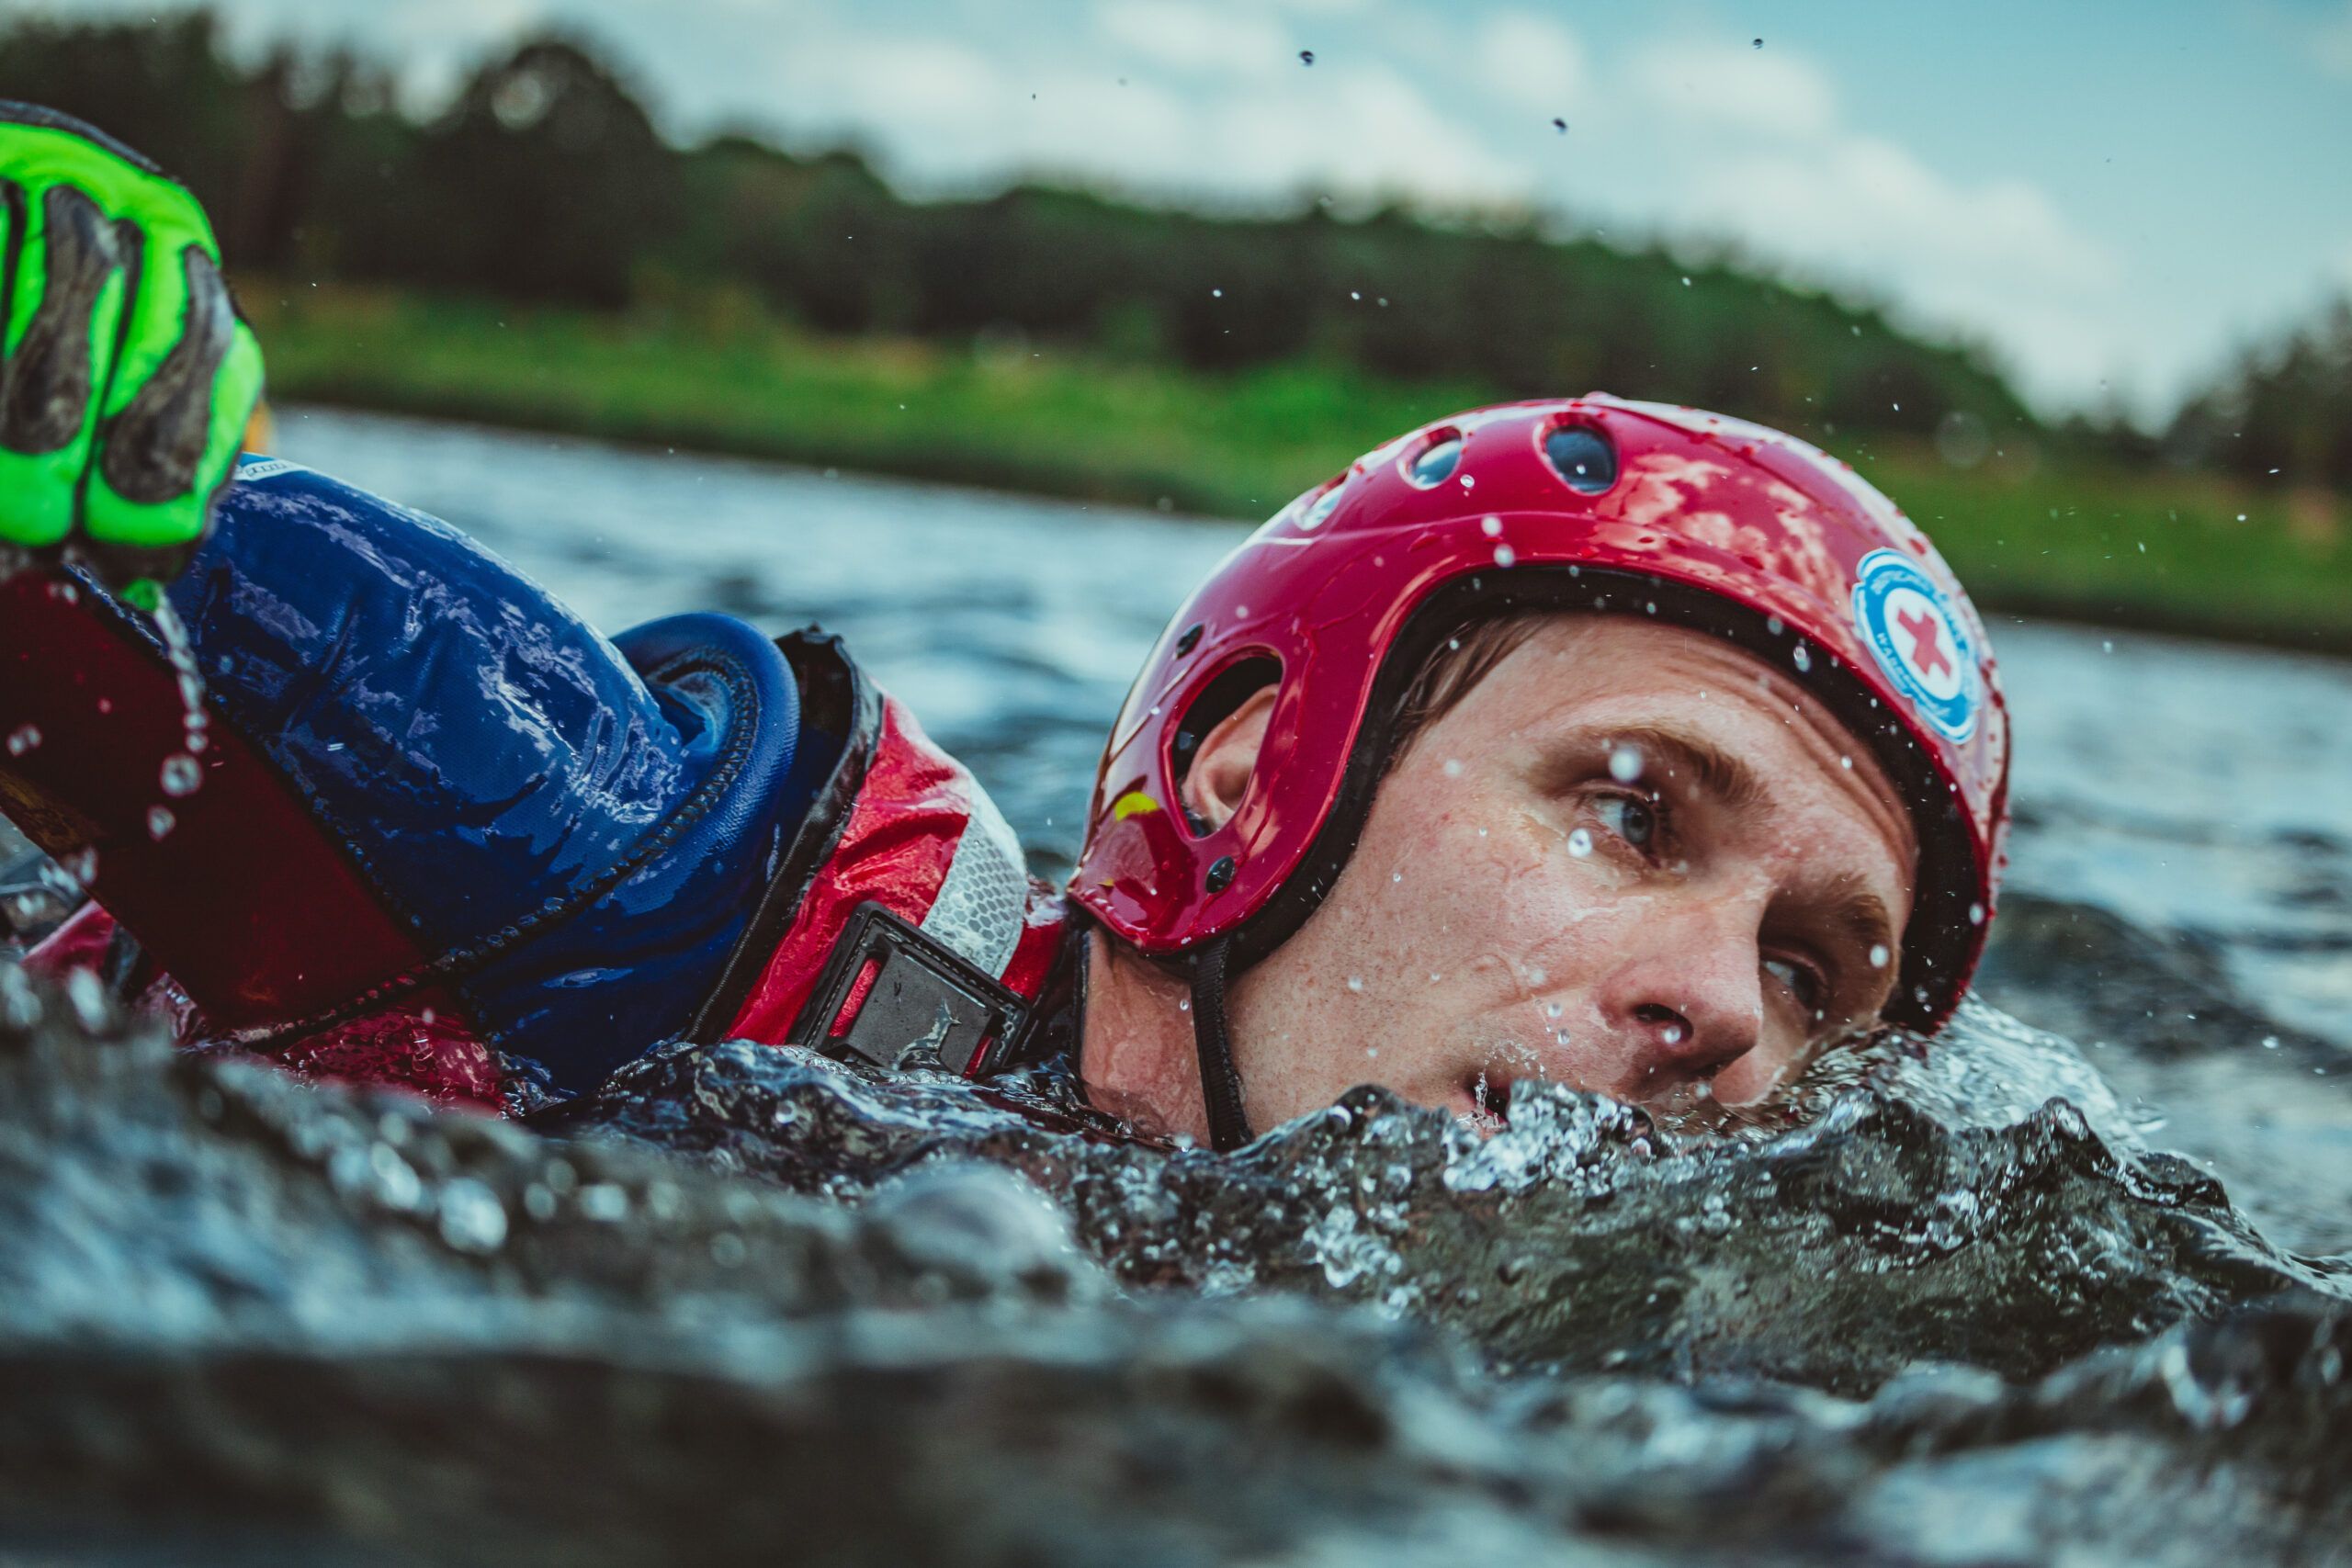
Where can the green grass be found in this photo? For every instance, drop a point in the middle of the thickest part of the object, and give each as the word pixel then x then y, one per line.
pixel 2028 533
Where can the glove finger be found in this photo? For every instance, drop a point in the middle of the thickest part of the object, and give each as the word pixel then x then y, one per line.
pixel 65 317
pixel 174 423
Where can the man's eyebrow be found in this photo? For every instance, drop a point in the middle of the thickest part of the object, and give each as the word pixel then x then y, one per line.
pixel 1717 773
pixel 1863 917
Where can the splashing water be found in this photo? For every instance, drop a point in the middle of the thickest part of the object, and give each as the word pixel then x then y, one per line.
pixel 180 650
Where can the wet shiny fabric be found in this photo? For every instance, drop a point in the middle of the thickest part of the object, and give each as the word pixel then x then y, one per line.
pixel 574 830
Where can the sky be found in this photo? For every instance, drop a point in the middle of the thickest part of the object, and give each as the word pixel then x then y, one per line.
pixel 2110 196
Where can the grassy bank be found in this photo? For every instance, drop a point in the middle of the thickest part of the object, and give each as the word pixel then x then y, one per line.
pixel 2029 533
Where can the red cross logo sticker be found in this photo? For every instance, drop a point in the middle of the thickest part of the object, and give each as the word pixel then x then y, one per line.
pixel 1916 638
pixel 1926 630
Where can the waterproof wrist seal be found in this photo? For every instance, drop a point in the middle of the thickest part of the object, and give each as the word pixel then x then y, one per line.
pixel 127 376
pixel 1590 504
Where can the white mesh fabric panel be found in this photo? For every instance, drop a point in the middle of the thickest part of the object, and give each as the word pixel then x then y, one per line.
pixel 979 907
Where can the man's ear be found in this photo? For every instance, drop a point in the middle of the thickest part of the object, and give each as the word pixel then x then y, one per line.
pixel 1219 776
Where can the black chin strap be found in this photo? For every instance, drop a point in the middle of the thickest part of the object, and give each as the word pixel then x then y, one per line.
pixel 1220 1079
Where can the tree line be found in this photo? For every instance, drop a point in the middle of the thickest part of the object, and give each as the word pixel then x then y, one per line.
pixel 545 180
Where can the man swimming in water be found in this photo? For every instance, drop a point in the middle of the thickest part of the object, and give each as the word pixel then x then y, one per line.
pixel 1627 746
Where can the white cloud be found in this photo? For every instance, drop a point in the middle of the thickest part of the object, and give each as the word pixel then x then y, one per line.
pixel 1706 82
pixel 1755 146
pixel 934 82
pixel 1188 119
pixel 1365 129
pixel 1871 208
pixel 1191 36
pixel 1532 62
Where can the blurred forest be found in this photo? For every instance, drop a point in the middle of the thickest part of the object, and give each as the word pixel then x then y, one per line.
pixel 546 181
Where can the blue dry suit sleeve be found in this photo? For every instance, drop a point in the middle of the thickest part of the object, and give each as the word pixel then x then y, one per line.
pixel 590 824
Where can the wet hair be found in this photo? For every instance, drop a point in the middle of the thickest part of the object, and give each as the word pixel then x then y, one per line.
pixel 1453 670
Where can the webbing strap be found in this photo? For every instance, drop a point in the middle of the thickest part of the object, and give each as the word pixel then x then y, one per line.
pixel 1220 1079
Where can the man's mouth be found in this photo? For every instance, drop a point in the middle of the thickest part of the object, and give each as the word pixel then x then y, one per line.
pixel 1484 1103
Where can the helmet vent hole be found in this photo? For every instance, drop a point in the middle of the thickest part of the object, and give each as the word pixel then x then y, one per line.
pixel 1583 458
pixel 1319 512
pixel 1436 461
pixel 1219 700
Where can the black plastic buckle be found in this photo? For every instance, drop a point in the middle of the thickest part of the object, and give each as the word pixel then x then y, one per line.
pixel 924 995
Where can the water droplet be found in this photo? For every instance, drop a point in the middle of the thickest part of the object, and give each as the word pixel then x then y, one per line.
pixel 1560 124
pixel 1686 283
pixel 1306 56
pixel 1452 767
pixel 1395 876
pixel 1505 555
pixel 1672 1034
pixel 180 775
pixel 23 738
pixel 1355 982
pixel 160 821
pixel 1552 1009
pixel 1759 43
pixel 1624 763
pixel 1878 955
pixel 1803 658
pixel 1581 843
pixel 1774 624
pixel 1976 914
pixel 82 865
pixel 472 1219
pixel 1491 526
pixel 1846 762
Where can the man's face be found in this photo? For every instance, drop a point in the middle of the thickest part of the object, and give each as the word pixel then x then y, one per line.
pixel 1633 859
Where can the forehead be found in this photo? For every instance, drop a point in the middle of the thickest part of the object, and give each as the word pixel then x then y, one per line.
pixel 1582 674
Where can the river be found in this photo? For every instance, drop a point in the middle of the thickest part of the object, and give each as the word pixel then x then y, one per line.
pixel 740 1301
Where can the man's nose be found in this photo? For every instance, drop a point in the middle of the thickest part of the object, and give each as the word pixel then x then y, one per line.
pixel 1690 1008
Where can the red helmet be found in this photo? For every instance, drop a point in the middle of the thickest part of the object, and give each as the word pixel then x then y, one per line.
pixel 1590 504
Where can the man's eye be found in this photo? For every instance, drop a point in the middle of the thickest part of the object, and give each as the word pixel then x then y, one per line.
pixel 1630 817
pixel 1803 981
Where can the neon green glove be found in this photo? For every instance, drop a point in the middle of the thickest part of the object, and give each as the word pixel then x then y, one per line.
pixel 126 374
